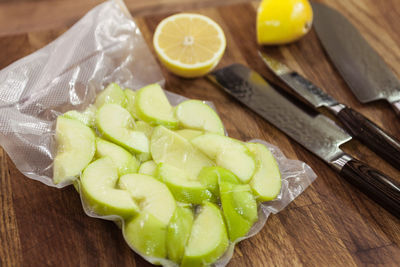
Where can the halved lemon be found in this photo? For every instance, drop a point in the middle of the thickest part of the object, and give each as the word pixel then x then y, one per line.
pixel 189 45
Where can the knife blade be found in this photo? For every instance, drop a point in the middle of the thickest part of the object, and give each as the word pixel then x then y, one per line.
pixel 317 133
pixel 367 75
pixel 356 124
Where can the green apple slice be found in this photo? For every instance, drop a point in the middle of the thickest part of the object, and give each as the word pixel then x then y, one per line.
pixel 75 149
pixel 152 106
pixel 147 232
pixel 113 94
pixel 98 183
pixel 228 153
pixel 144 127
pixel 266 182
pixel 152 195
pixel 209 176
pixel 130 102
pixel 208 240
pixel 194 114
pixel 125 161
pixel 189 134
pixel 182 187
pixel 169 147
pixel 148 167
pixel 239 208
pixel 147 235
pixel 87 117
pixel 178 233
pixel 116 125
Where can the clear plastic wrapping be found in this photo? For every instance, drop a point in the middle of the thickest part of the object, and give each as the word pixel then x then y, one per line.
pixel 104 46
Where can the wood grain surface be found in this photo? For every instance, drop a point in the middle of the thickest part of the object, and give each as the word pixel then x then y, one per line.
pixel 330 224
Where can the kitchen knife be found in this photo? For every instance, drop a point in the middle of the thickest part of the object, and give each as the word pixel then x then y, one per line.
pixel 315 132
pixel 354 122
pixel 367 75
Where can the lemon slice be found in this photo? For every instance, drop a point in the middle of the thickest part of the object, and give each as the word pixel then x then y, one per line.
pixel 189 45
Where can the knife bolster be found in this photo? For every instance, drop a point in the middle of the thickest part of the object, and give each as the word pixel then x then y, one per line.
pixel 335 109
pixel 339 162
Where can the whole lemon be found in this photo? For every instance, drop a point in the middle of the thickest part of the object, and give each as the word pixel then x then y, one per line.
pixel 283 21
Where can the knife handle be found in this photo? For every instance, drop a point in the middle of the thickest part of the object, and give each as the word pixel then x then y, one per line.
pixel 371 135
pixel 378 186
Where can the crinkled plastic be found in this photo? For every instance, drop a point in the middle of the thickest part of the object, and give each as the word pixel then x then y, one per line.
pixel 104 46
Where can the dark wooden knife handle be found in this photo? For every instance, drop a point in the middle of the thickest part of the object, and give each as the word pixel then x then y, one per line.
pixel 379 187
pixel 360 127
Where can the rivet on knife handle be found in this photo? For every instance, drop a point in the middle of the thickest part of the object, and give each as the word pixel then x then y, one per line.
pixel 379 187
pixel 396 107
pixel 370 134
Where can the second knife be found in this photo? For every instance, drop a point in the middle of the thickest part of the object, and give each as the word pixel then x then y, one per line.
pixel 356 124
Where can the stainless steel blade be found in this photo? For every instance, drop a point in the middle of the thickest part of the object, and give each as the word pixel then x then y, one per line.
pixel 299 84
pixel 362 68
pixel 317 133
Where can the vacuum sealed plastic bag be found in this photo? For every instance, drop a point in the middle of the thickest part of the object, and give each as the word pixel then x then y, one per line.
pixel 105 47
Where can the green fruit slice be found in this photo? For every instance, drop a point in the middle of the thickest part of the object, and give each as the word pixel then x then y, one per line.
pixel 113 94
pixel 144 127
pixel 182 187
pixel 75 149
pixel 239 208
pixel 152 195
pixel 152 106
pixel 98 183
pixel 189 134
pixel 87 117
pixel 130 102
pixel 125 161
pixel 147 235
pixel 116 124
pixel 228 153
pixel 194 114
pixel 148 167
pixel 266 182
pixel 169 147
pixel 209 176
pixel 208 239
pixel 178 233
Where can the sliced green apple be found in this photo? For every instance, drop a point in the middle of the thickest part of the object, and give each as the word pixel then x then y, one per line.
pixel 178 233
pixel 208 239
pixel 152 106
pixel 152 195
pixel 116 125
pixel 194 114
pixel 148 167
pixel 189 134
pixel 87 117
pixel 182 187
pixel 266 182
pixel 147 234
pixel 130 102
pixel 228 153
pixel 209 176
pixel 75 149
pixel 113 94
pixel 169 147
pixel 125 161
pixel 98 183
pixel 144 127
pixel 239 208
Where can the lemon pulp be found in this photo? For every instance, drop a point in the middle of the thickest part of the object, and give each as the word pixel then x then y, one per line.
pixel 189 45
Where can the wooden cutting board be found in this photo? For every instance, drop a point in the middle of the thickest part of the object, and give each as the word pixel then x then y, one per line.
pixel 330 224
